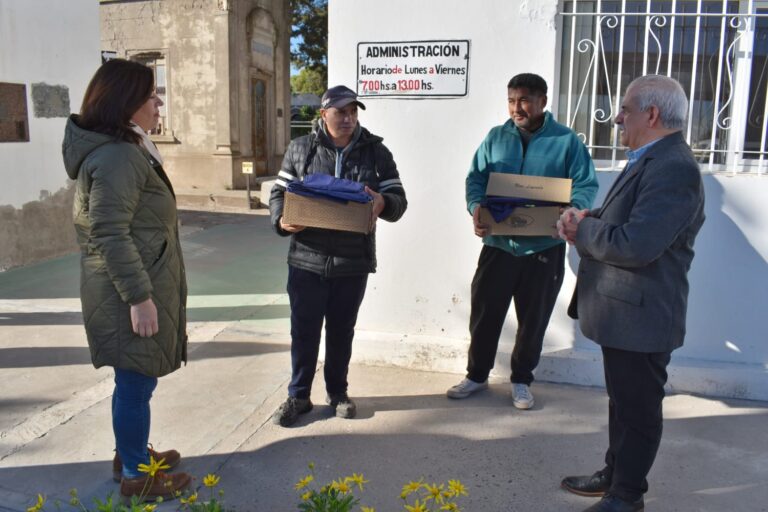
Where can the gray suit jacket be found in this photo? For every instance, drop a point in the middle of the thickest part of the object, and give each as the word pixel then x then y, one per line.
pixel 632 285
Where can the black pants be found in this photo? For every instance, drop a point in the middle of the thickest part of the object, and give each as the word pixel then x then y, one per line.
pixel 314 299
pixel 534 281
pixel 635 384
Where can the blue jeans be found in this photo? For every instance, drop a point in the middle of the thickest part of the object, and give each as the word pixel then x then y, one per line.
pixel 131 417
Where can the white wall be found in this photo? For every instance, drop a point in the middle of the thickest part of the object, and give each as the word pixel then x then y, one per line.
pixel 55 42
pixel 416 309
pixel 427 259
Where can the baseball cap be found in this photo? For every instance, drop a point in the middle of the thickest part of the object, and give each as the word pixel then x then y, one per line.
pixel 338 97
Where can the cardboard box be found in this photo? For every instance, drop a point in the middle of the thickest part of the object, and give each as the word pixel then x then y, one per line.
pixel 527 221
pixel 324 213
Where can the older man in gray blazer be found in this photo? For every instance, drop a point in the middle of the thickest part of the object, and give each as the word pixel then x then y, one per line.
pixel 632 287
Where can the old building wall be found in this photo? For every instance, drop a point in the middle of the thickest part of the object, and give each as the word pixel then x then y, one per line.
pixel 183 33
pixel 40 51
pixel 261 38
pixel 206 56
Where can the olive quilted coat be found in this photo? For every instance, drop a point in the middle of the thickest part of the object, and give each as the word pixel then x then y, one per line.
pixel 126 223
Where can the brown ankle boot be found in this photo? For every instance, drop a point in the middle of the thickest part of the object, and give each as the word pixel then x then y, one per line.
pixel 148 488
pixel 172 458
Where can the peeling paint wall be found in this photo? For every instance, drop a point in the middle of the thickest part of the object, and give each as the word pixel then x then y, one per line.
pixel 207 52
pixel 40 48
pixel 50 100
pixel 39 230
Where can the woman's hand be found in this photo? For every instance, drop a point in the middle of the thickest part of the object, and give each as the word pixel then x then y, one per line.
pixel 144 318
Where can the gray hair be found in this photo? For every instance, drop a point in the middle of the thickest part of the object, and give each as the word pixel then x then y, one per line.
pixel 664 93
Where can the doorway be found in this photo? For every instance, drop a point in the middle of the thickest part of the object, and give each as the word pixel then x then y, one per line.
pixel 259 125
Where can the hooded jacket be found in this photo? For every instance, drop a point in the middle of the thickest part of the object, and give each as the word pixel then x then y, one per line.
pixel 127 228
pixel 332 253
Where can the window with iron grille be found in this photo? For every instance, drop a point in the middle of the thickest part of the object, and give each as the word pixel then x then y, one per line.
pixel 717 50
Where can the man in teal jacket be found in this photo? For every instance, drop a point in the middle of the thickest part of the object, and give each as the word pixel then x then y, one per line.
pixel 526 268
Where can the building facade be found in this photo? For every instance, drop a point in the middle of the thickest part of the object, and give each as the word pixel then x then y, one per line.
pixel 45 66
pixel 222 68
pixel 587 52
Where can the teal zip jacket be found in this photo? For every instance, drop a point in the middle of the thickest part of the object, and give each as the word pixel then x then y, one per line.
pixel 553 151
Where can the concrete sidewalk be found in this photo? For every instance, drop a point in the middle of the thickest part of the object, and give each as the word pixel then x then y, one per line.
pixel 55 428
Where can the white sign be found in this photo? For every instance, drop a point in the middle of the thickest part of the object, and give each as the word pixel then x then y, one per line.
pixel 247 167
pixel 413 68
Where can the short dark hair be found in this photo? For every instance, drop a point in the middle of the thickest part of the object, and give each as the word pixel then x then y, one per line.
pixel 117 90
pixel 530 81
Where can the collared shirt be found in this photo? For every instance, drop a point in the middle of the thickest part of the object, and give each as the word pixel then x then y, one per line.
pixel 634 155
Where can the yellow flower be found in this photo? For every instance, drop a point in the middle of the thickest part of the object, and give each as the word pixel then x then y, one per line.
pixel 153 467
pixel 211 480
pixel 451 507
pixel 74 500
pixel 37 506
pixel 417 507
pixel 190 500
pixel 148 508
pixel 306 495
pixel 367 509
pixel 303 482
pixel 357 480
pixel 457 487
pixel 434 492
pixel 410 487
pixel 341 486
pixel 311 465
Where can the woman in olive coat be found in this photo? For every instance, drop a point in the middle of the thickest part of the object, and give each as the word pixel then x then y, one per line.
pixel 133 286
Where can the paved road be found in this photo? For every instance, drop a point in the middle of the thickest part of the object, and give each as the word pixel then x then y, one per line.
pixel 55 430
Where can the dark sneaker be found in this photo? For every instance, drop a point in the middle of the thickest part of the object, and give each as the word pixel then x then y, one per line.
pixel 342 404
pixel 288 412
pixel 170 458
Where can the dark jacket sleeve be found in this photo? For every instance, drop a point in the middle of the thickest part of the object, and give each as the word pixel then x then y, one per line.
pixel 667 198
pixel 287 173
pixel 390 185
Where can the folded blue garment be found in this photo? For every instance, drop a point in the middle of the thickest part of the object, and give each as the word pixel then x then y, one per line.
pixel 502 207
pixel 326 186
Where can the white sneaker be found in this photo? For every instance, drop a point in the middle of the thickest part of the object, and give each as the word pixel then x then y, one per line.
pixel 522 398
pixel 465 388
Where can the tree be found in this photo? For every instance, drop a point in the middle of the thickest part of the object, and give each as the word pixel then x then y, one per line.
pixel 308 80
pixel 309 36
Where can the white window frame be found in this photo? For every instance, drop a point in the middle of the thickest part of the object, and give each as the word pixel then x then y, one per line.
pixel 151 57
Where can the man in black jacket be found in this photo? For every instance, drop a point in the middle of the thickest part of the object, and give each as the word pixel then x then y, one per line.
pixel 328 269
